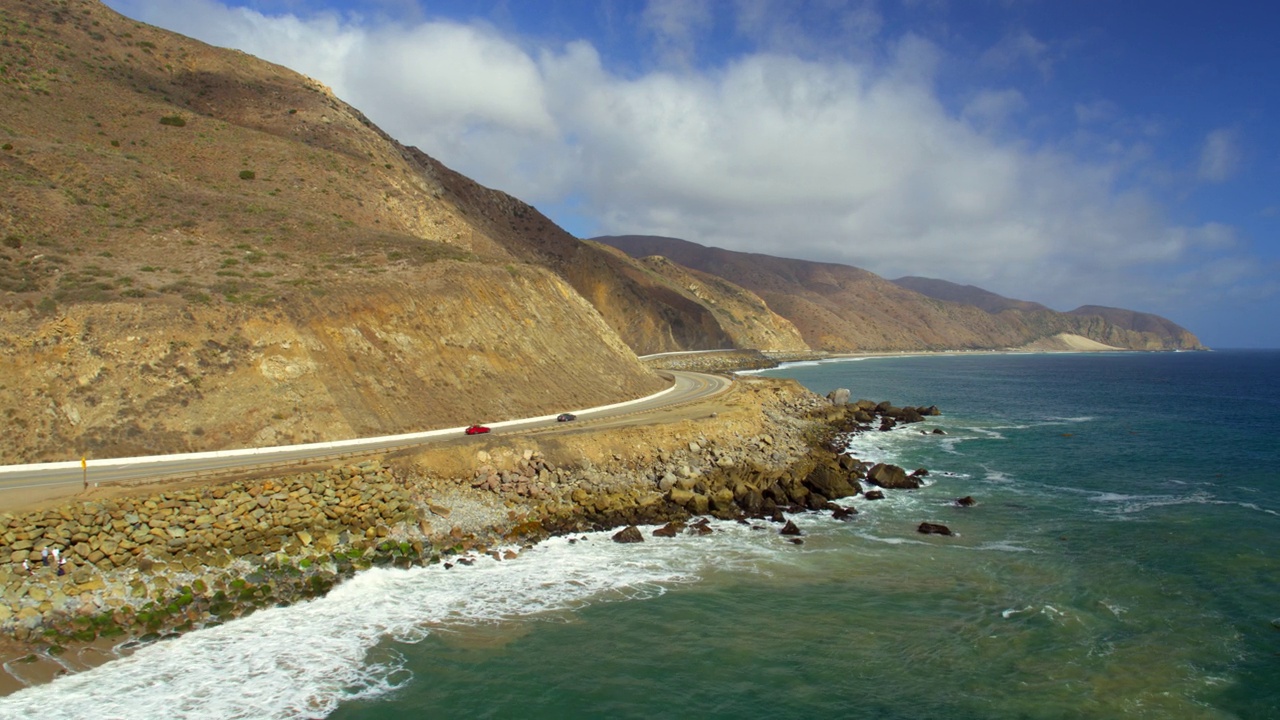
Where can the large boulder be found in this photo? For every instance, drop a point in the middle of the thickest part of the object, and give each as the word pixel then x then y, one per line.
pixel 748 498
pixel 629 534
pixel 831 482
pixel 933 529
pixel 671 529
pixel 891 477
pixel 839 396
pixel 843 513
pixel 910 415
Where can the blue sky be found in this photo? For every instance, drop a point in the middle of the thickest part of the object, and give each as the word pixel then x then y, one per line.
pixel 1085 152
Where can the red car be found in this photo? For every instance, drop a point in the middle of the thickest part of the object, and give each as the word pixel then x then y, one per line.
pixel 477 430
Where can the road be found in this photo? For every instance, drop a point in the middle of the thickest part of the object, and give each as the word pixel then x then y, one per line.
pixel 52 479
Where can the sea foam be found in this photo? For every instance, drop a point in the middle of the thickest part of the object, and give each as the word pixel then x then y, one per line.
pixel 302 661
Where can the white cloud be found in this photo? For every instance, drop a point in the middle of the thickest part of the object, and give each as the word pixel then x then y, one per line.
pixel 1017 49
pixel 1219 156
pixel 847 160
pixel 676 25
pixel 991 109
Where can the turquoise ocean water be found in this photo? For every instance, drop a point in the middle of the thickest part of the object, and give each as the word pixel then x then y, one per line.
pixel 1122 561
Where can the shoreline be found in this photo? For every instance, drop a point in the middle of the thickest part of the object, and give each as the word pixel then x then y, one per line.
pixel 763 450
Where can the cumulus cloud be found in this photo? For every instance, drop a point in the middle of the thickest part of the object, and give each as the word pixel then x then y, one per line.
pixel 835 159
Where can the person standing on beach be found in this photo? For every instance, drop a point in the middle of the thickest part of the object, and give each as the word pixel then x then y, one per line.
pixel 26 567
pixel 44 556
pixel 62 566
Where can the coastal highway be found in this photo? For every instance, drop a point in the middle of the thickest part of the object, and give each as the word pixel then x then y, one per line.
pixel 59 478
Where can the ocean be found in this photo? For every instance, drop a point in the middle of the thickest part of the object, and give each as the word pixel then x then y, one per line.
pixel 1122 560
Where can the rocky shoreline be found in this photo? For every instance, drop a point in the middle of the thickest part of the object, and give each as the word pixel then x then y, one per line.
pixel 145 567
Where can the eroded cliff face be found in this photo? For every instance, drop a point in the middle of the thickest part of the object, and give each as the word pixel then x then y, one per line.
pixel 444 346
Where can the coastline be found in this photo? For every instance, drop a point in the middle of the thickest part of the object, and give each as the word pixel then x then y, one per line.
pixel 763 448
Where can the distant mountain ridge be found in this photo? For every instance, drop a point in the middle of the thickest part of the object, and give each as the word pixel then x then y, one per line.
pixel 840 308
pixel 1131 320
pixel 966 294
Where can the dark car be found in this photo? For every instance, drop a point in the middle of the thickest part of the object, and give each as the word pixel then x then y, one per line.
pixel 566 417
pixel 477 430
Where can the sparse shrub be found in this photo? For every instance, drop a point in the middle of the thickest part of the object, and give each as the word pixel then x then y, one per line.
pixel 173 120
pixel 247 175
pixel 115 143
pixel 6 146
pixel 13 241
pixel 293 111
pixel 46 305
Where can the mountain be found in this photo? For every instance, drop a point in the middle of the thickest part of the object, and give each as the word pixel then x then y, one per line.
pixel 966 295
pixel 838 308
pixel 201 250
pixel 1105 324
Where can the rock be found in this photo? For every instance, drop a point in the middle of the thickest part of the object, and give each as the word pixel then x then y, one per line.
pixel 789 529
pixel 873 495
pixel 629 534
pixel 938 431
pixel 667 482
pixel 671 529
pixel 699 504
pixel 966 501
pixel 843 513
pixel 749 499
pixel 891 477
pixel 831 483
pixel 839 396
pixel 933 529
pixel 701 526
pixel 679 496
pixel 919 472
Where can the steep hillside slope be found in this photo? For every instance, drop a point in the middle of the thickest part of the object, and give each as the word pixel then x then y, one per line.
pixel 839 308
pixel 1138 322
pixel 651 312
pixel 966 294
pixel 201 250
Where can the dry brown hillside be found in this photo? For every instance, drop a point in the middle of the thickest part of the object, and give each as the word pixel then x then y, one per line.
pixel 201 250
pixel 839 308
pixel 650 311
